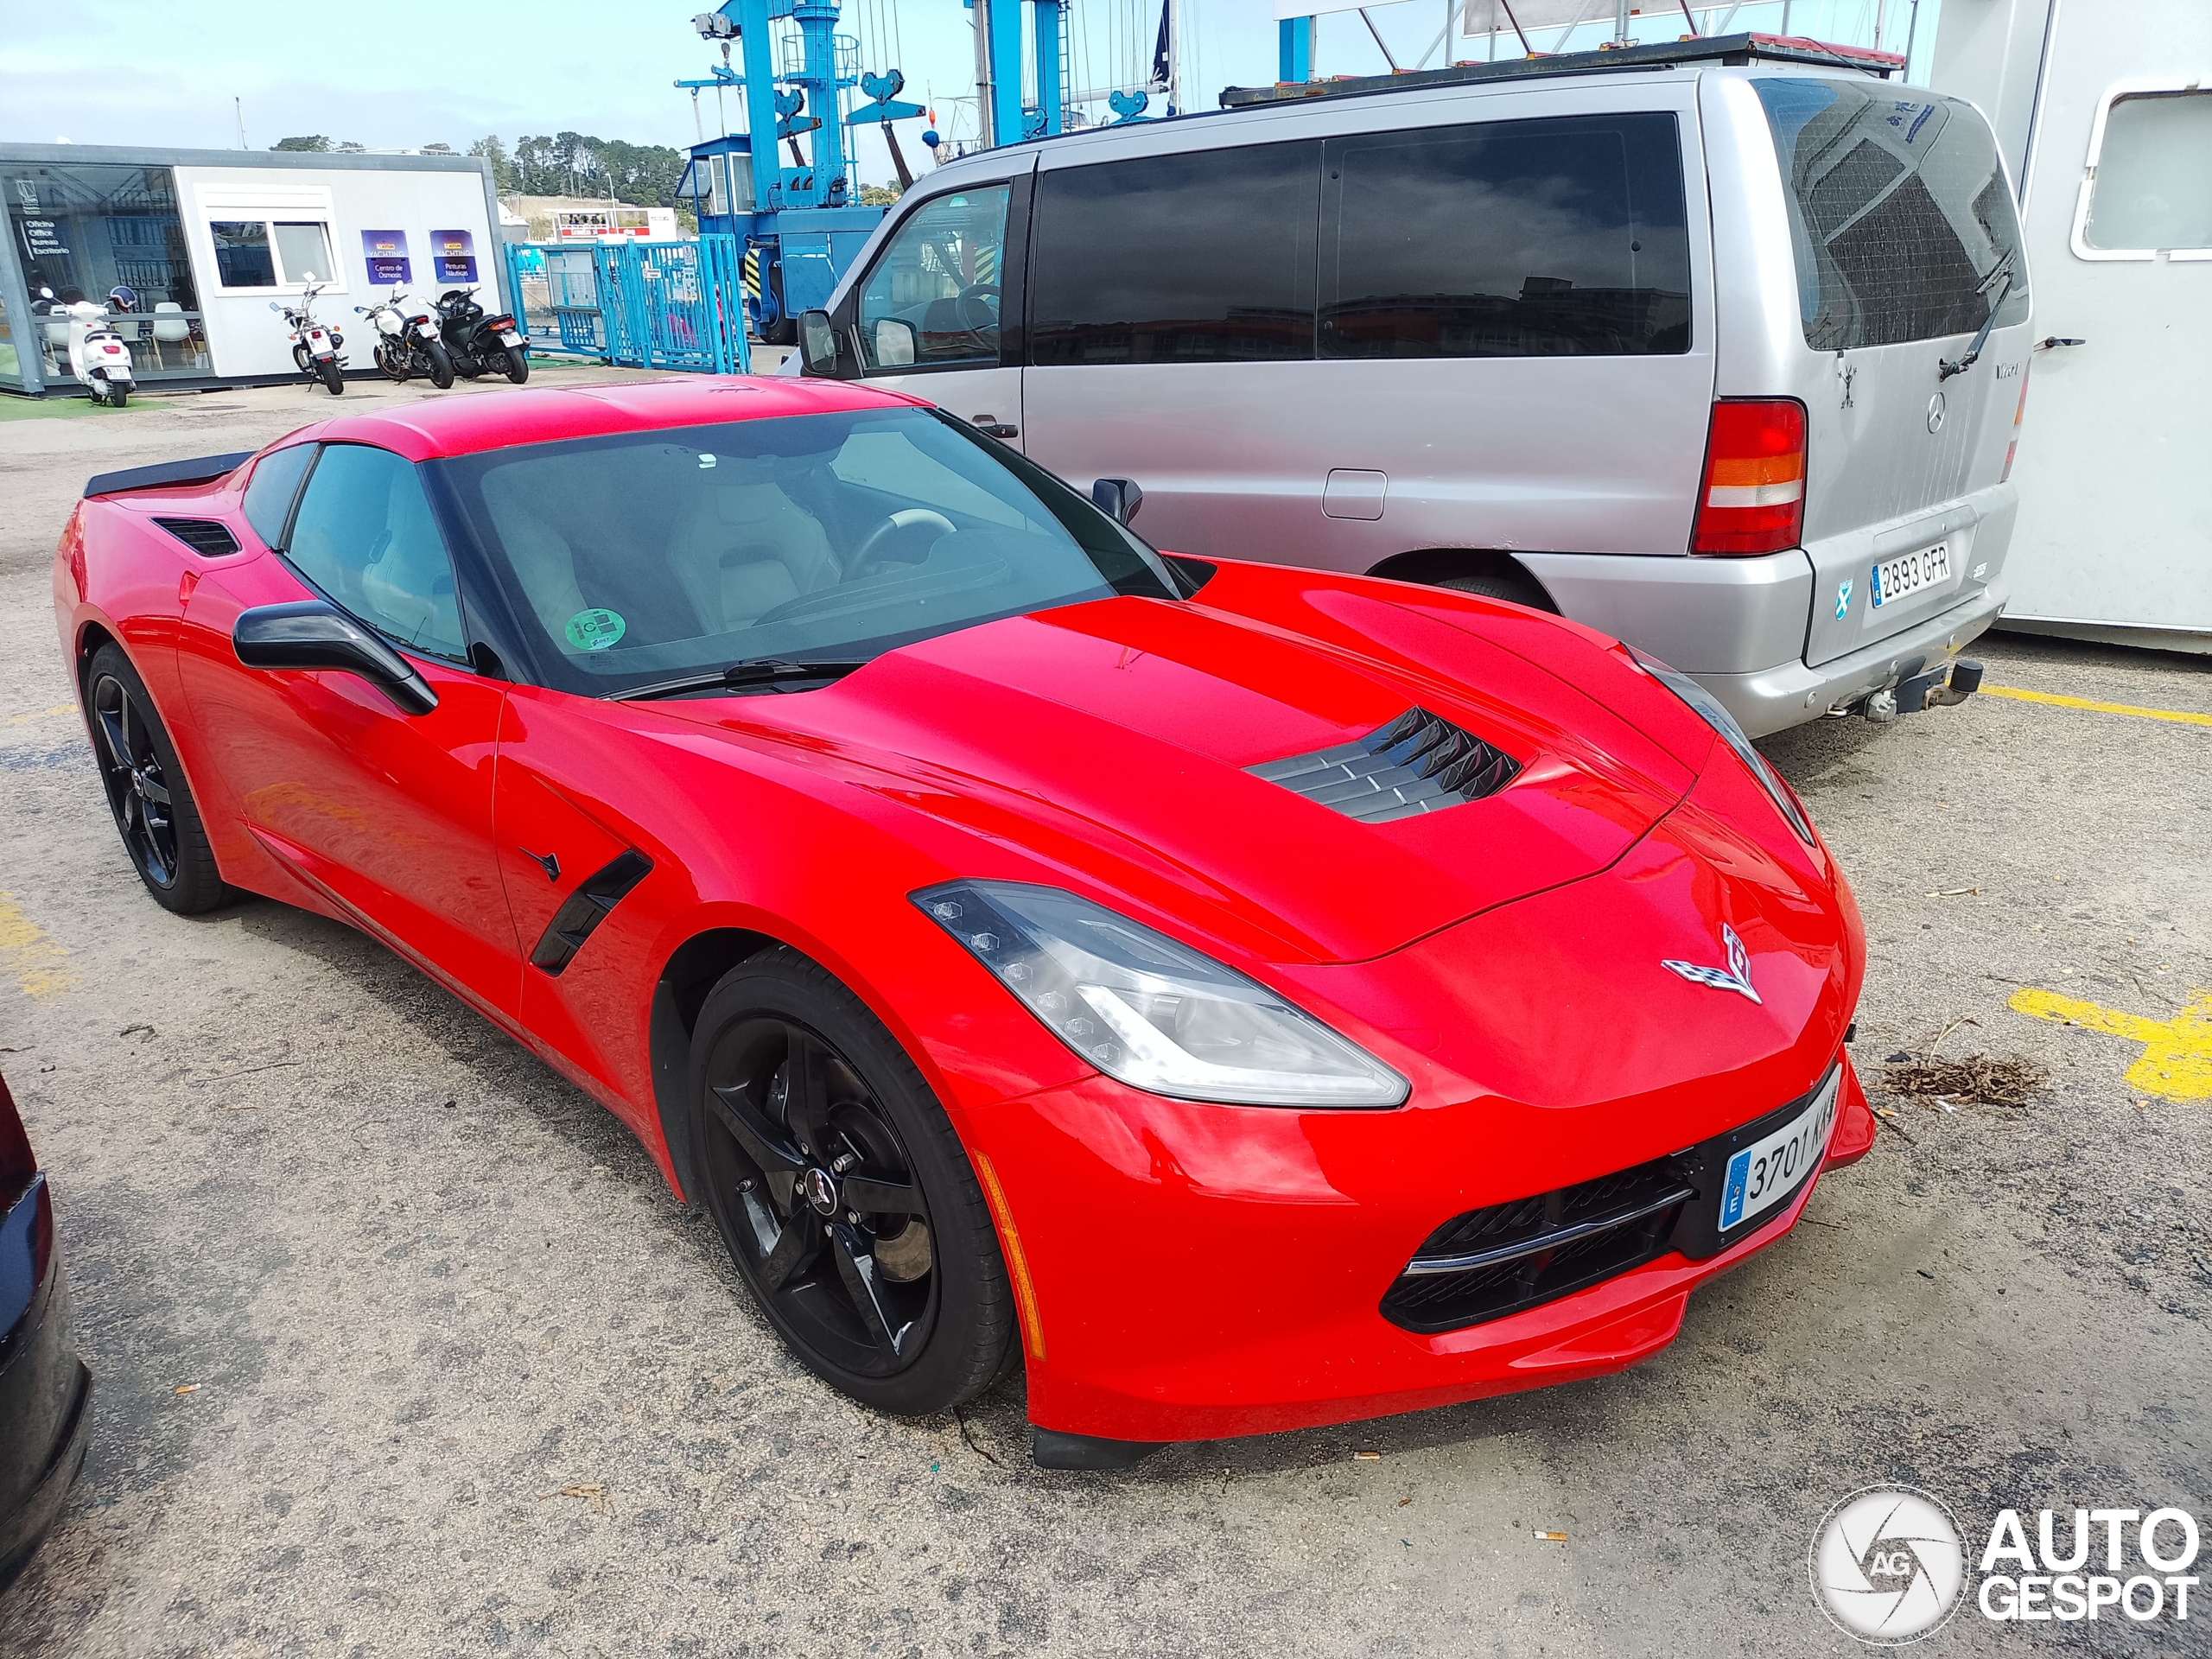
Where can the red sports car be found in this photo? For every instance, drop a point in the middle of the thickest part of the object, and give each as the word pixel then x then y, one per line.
pixel 1252 998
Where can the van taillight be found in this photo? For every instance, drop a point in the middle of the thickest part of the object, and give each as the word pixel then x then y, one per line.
pixel 1753 496
pixel 2019 410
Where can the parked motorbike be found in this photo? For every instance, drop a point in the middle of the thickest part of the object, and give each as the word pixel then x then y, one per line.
pixel 316 349
pixel 408 344
pixel 479 343
pixel 97 356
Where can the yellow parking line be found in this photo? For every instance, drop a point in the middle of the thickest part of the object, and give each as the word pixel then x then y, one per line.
pixel 43 713
pixel 2019 696
pixel 30 952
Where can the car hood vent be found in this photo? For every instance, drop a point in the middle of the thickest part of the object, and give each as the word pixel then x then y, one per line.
pixel 204 537
pixel 1418 763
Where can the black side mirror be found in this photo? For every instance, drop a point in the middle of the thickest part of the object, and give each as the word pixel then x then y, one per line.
pixel 313 633
pixel 818 343
pixel 1117 498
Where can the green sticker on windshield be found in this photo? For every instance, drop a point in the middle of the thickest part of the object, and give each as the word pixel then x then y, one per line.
pixel 595 630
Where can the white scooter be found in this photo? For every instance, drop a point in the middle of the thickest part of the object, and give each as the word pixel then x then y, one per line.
pixel 314 348
pixel 97 356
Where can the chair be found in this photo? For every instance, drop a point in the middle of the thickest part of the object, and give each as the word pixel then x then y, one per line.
pixel 170 327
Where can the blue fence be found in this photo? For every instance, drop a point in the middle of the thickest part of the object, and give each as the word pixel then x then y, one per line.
pixel 646 305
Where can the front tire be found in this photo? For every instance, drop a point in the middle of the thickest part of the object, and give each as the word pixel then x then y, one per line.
pixel 394 361
pixel 518 365
pixel 147 793
pixel 332 376
pixel 841 1192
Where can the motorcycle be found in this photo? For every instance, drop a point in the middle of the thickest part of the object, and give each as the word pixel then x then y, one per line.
pixel 97 356
pixel 408 345
pixel 316 350
pixel 478 343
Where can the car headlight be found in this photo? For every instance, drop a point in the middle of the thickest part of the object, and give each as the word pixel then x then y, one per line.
pixel 1150 1013
pixel 1711 711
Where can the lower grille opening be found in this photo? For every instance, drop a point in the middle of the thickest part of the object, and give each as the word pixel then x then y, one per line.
pixel 1506 1258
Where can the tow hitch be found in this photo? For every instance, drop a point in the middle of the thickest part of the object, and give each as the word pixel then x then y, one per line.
pixel 1938 688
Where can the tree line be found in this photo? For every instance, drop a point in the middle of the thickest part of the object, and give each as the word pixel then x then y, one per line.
pixel 561 164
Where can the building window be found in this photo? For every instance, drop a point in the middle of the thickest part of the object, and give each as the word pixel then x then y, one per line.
pixel 109 233
pixel 245 258
pixel 242 257
pixel 2152 187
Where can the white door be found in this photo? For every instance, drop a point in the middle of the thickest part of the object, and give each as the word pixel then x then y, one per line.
pixel 926 316
pixel 2114 540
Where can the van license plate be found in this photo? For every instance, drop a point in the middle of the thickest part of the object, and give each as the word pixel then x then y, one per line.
pixel 1909 573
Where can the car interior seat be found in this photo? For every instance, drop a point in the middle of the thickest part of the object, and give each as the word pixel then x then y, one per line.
pixel 742 549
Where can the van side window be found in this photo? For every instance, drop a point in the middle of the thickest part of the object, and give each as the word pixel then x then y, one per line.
pixel 1899 216
pixel 1206 257
pixel 939 276
pixel 1510 238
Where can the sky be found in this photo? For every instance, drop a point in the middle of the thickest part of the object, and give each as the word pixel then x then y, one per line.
pixel 110 72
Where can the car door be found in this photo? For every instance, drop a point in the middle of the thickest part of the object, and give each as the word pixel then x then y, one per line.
pixel 385 816
pixel 925 318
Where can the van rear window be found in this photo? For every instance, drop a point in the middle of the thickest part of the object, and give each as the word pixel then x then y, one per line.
pixel 1899 214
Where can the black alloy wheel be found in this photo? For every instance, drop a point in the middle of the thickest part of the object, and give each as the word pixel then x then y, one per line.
pixel 146 789
pixel 842 1194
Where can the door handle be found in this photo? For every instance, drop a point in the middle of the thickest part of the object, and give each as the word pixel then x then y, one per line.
pixel 991 427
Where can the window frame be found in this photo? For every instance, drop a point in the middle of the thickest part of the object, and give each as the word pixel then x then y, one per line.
pixel 1013 282
pixel 270 206
pixel 2201 86
pixel 465 663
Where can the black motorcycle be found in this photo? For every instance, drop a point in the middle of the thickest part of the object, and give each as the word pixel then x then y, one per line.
pixel 479 343
pixel 407 343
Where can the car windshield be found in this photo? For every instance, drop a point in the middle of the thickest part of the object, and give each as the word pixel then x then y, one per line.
pixel 654 556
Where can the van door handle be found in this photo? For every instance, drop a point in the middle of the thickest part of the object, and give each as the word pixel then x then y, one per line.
pixel 991 427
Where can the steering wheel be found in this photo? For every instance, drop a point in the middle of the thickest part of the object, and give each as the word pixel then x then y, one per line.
pixel 971 296
pixel 897 523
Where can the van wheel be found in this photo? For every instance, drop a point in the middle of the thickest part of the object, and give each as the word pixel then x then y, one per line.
pixel 1514 589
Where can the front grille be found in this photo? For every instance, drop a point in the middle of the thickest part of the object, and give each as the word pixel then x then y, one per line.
pixel 1418 763
pixel 204 537
pixel 1508 1257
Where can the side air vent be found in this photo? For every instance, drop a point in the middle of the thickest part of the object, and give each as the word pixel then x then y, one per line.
pixel 1418 763
pixel 204 537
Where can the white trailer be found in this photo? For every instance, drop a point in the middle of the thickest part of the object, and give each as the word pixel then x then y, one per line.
pixel 2104 114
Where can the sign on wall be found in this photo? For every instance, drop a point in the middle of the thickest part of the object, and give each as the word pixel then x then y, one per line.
pixel 386 254
pixel 454 254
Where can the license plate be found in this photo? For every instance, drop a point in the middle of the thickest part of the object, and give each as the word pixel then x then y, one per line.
pixel 1768 1171
pixel 510 339
pixel 428 330
pixel 1909 573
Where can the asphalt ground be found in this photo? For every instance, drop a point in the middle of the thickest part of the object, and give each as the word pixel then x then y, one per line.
pixel 401 1347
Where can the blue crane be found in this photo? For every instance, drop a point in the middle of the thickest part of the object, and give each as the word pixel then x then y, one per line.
pixel 798 222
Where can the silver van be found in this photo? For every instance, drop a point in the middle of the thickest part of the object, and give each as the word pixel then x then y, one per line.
pixel 1724 358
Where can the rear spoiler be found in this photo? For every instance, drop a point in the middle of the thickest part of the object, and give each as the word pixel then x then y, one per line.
pixel 205 470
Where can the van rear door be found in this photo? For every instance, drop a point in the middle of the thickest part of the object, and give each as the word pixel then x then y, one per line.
pixel 1904 238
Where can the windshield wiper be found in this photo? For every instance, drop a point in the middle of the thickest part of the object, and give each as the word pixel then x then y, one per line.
pixel 753 671
pixel 2001 276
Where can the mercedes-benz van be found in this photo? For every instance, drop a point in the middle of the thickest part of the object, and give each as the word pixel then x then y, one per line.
pixel 1724 359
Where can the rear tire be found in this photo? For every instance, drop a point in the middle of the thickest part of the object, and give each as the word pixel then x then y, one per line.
pixel 441 365
pixel 118 396
pixel 147 793
pixel 1514 589
pixel 791 1079
pixel 333 376
pixel 518 365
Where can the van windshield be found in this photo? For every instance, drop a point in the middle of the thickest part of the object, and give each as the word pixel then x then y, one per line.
pixel 660 556
pixel 1899 213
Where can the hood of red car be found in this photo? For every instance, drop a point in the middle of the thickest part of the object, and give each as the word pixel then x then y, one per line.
pixel 1112 743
